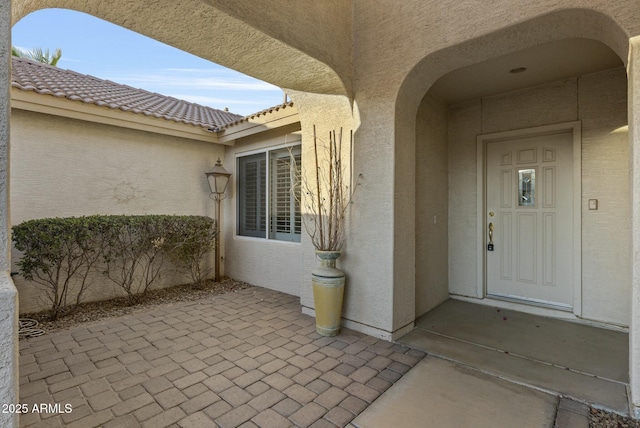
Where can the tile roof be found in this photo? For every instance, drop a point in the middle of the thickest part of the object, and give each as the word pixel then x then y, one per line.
pixel 258 114
pixel 28 75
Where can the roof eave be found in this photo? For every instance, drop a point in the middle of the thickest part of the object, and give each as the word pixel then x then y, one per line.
pixel 273 118
pixel 48 104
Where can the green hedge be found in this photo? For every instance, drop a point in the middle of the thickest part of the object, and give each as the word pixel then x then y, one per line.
pixel 61 254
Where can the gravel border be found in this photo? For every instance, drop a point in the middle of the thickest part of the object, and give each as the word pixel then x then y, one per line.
pixel 602 419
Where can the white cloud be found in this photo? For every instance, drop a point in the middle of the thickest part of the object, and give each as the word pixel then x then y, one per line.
pixel 213 101
pixel 242 107
pixel 190 79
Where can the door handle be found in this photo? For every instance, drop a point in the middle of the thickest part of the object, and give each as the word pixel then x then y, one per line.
pixel 490 246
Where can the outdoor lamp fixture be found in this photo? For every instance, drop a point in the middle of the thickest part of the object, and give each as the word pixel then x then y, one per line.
pixel 218 179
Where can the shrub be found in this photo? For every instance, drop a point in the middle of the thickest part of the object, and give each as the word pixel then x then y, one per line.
pixel 133 254
pixel 60 254
pixel 188 241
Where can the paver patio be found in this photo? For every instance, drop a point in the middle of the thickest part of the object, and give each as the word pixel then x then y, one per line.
pixel 247 358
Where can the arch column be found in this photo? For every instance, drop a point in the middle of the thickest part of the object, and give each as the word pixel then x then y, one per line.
pixel 382 245
pixel 8 293
pixel 378 254
pixel 633 75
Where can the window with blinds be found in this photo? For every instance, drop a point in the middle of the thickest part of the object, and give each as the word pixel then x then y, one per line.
pixel 281 194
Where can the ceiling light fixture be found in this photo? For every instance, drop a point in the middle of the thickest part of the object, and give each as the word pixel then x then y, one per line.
pixel 517 70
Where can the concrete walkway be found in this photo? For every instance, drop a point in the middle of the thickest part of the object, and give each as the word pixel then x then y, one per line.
pixel 459 397
pixel 444 394
pixel 247 359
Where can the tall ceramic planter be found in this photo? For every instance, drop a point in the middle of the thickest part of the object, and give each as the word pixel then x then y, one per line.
pixel 328 291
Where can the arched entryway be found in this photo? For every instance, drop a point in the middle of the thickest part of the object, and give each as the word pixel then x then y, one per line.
pixel 467 74
pixel 516 93
pixel 576 82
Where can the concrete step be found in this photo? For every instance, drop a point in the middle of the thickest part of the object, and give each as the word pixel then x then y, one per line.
pixel 587 349
pixel 600 392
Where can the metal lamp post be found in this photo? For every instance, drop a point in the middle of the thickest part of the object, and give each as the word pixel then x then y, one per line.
pixel 218 179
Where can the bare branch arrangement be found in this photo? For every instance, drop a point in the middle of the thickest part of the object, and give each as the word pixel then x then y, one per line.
pixel 328 193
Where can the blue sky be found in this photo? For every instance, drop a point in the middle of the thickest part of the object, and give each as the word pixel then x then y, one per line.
pixel 99 48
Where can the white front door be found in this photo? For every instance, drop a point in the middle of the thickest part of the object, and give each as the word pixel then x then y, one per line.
pixel 529 219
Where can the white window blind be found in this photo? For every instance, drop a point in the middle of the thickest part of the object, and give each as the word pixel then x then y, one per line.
pixel 251 195
pixel 285 194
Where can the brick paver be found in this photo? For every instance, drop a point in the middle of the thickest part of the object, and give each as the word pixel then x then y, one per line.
pixel 248 358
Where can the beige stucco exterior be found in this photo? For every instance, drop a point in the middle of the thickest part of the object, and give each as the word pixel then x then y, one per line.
pixel 8 294
pixel 633 72
pixel 104 169
pixel 367 65
pixel 273 264
pixel 63 167
pixel 432 204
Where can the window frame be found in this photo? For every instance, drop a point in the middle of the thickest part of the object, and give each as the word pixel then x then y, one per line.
pixel 268 234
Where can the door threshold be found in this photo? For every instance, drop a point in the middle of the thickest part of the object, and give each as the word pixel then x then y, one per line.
pixel 519 306
pixel 532 302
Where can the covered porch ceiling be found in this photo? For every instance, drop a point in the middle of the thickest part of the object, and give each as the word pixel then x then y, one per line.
pixel 528 67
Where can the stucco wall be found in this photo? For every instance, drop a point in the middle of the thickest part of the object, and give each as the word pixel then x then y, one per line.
pixel 63 167
pixel 599 101
pixel 431 205
pixel 266 263
pixel 606 233
pixel 9 377
pixel 465 123
pixel 634 150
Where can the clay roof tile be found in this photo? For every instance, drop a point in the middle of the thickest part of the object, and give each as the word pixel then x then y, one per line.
pixel 44 79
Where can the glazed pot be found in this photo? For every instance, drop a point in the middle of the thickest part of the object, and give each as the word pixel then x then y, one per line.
pixel 328 292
